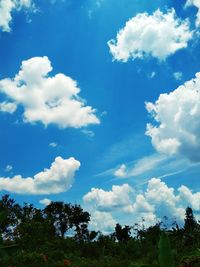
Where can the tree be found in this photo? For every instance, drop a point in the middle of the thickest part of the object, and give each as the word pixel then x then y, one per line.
pixel 122 234
pixel 59 215
pixel 190 221
pixel 190 229
pixel 9 211
pixel 32 229
pixel 165 253
pixel 80 220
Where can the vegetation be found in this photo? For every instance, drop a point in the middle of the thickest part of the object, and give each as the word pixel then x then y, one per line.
pixel 58 235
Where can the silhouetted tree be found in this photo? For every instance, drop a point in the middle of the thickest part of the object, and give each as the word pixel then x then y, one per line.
pixel 32 229
pixel 122 233
pixel 190 229
pixel 59 215
pixel 9 211
pixel 190 221
pixel 80 220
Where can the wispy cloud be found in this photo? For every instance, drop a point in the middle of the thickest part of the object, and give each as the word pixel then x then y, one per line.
pixel 155 165
pixel 122 149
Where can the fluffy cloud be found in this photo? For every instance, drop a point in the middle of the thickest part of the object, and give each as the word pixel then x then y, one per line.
pixel 163 200
pixel 47 99
pixel 195 3
pixel 121 171
pixel 8 107
pixel 58 178
pixel 177 128
pixel 45 201
pixel 6 9
pixel 102 221
pixel 158 35
pixel 152 204
pixel 188 198
pixel 103 200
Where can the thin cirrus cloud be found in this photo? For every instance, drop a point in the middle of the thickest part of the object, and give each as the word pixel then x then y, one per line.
pixel 140 166
pixel 195 3
pixel 46 99
pixel 6 9
pixel 58 178
pixel 151 204
pixel 177 126
pixel 158 35
pixel 155 165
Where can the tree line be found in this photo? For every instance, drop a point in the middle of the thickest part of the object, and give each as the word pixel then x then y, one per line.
pixel 58 235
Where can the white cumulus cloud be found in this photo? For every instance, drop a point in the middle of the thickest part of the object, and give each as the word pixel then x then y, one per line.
pixel 102 221
pixel 45 201
pixel 117 197
pixel 58 178
pixel 8 107
pixel 151 204
pixel 47 99
pixel 177 127
pixel 6 9
pixel 158 35
pixel 195 3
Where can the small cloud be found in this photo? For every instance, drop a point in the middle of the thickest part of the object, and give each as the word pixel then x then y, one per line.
pixel 45 201
pixel 8 168
pixel 95 6
pixel 99 2
pixel 104 113
pixel 88 133
pixel 178 75
pixel 152 75
pixel 8 107
pixel 53 144
pixel 121 172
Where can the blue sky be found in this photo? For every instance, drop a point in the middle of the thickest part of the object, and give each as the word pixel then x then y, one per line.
pixel 114 57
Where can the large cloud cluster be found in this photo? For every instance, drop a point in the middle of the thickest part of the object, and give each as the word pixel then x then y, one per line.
pixel 177 127
pixel 58 178
pixel 6 9
pixel 152 204
pixel 158 35
pixel 47 99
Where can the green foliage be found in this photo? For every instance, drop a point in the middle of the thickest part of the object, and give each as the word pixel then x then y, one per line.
pixel 165 253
